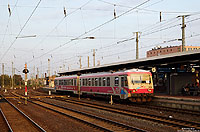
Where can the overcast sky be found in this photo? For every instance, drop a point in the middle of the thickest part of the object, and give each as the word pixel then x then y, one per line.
pixel 35 31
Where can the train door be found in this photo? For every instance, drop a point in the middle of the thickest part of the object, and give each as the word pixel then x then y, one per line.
pixel 123 87
pixel 78 86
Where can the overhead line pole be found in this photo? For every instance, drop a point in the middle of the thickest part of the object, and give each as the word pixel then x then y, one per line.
pixel 49 73
pixel 3 75
pixel 137 50
pixel 137 43
pixel 94 57
pixel 80 62
pixel 12 76
pixel 88 61
pixel 183 33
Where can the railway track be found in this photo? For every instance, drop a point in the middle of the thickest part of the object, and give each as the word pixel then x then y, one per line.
pixel 92 120
pixel 177 123
pixel 16 120
pixel 159 119
pixel 89 119
pixel 8 127
pixel 166 109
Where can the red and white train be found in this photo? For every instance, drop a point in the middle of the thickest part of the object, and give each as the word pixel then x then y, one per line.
pixel 135 84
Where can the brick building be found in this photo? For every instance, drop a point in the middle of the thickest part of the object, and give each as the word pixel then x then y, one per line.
pixel 169 49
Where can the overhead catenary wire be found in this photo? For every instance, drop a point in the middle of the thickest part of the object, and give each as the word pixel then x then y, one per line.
pixel 21 30
pixel 7 24
pixel 124 13
pixel 70 13
pixel 114 44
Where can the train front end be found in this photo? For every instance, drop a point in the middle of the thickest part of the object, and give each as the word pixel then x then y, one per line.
pixel 140 86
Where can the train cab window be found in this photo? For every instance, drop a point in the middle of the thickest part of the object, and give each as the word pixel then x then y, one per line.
pixel 116 81
pixel 122 81
pixel 65 82
pixel 96 81
pixel 99 81
pixel 140 78
pixel 108 81
pixel 75 82
pixel 92 81
pixel 104 81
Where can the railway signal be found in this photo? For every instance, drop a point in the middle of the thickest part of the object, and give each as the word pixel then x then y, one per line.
pixel 25 71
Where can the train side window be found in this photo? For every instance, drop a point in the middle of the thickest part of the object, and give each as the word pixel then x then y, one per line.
pixel 96 81
pixel 89 82
pixel 72 82
pixel 80 82
pixel 55 82
pixel 125 80
pixel 86 82
pixel 104 81
pixel 116 81
pixel 122 81
pixel 69 82
pixel 92 81
pixel 83 82
pixel 60 82
pixel 99 81
pixel 75 82
pixel 108 81
pixel 65 82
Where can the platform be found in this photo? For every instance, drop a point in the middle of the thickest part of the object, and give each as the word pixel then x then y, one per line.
pixel 180 102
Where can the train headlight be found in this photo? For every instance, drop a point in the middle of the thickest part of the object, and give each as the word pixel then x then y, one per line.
pixel 149 90
pixel 134 91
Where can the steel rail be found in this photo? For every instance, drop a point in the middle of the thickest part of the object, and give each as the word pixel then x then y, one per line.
pixel 27 117
pixel 154 118
pixel 92 116
pixel 10 129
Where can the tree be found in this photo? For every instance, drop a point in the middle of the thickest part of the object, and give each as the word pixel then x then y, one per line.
pixel 18 80
pixel 7 80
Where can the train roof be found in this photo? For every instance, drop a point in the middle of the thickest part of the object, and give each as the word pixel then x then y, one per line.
pixel 122 72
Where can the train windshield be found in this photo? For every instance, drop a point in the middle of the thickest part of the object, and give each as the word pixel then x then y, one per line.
pixel 140 78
